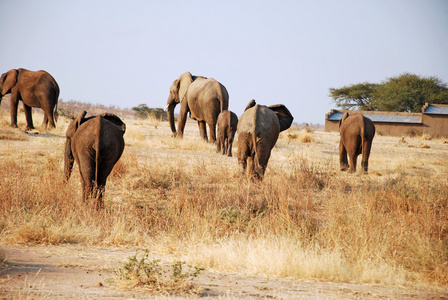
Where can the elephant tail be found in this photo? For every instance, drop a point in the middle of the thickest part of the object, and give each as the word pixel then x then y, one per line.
pixel 97 146
pixel 363 134
pixel 223 98
pixel 257 167
pixel 55 113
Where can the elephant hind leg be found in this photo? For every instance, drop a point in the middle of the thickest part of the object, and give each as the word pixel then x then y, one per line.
pixel 203 130
pixel 365 156
pixel 343 158
pixel 229 146
pixel 244 152
pixel 353 162
pixel 212 128
pixel 29 117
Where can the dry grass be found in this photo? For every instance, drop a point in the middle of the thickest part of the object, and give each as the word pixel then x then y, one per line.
pixel 305 220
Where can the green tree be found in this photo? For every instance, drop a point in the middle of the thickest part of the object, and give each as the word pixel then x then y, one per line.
pixel 409 92
pixel 143 111
pixel 355 96
pixel 405 93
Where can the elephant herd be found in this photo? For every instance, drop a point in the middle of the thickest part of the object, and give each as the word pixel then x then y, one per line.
pixel 96 143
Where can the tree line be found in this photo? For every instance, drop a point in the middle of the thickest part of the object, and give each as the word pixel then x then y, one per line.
pixel 405 93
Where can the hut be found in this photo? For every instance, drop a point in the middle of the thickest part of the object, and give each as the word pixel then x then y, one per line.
pixel 432 121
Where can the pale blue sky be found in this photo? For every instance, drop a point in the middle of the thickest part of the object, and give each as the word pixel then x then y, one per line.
pixel 125 53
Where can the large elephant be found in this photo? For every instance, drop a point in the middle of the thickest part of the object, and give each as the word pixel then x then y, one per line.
pixel 258 130
pixel 203 97
pixel 35 89
pixel 357 132
pixel 96 144
pixel 227 124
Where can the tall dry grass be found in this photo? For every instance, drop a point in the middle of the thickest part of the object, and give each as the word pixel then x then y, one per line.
pixel 305 220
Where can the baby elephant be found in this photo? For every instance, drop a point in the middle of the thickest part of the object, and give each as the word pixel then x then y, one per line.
pixel 357 134
pixel 258 130
pixel 227 123
pixel 95 143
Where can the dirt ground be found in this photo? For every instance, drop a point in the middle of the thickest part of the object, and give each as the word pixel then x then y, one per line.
pixel 75 272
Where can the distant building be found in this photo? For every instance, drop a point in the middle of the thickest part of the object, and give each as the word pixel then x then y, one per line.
pixel 432 121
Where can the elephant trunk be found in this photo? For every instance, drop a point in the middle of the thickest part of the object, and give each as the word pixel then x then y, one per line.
pixel 68 159
pixel 170 109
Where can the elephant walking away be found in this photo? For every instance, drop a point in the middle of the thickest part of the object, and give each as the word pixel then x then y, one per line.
pixel 227 125
pixel 258 130
pixel 96 144
pixel 357 132
pixel 203 97
pixel 35 89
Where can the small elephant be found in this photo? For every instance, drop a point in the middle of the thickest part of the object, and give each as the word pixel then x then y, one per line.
pixel 258 130
pixel 204 98
pixel 35 89
pixel 357 134
pixel 226 128
pixel 96 144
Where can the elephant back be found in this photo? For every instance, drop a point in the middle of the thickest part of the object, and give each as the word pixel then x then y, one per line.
pixel 258 119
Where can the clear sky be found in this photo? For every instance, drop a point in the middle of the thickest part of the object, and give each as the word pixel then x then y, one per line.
pixel 125 53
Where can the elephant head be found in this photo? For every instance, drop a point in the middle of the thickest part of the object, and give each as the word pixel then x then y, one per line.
pixel 177 92
pixel 7 81
pixel 344 116
pixel 69 159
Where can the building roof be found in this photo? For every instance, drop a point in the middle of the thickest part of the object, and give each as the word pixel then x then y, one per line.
pixel 377 118
pixel 437 110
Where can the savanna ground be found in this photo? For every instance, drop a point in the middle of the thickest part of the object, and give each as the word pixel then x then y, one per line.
pixel 180 221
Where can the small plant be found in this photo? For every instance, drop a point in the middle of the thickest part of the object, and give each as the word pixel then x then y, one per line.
pixel 142 272
pixel 67 113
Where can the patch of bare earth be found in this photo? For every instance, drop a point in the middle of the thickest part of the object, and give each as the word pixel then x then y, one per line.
pixel 76 272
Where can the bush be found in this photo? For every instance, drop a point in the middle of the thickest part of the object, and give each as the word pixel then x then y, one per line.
pixel 143 111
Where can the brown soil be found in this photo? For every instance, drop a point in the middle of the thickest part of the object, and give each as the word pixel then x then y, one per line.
pixel 75 272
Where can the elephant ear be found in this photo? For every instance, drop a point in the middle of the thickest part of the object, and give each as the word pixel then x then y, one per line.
pixel 116 120
pixel 344 116
pixel 10 80
pixel 75 124
pixel 285 118
pixel 183 84
pixel 251 103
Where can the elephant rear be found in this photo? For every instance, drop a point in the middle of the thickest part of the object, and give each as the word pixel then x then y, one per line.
pixel 109 148
pixel 96 144
pixel 226 128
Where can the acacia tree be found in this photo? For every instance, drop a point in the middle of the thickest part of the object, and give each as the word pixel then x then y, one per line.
pixel 404 93
pixel 355 96
pixel 409 92
pixel 143 111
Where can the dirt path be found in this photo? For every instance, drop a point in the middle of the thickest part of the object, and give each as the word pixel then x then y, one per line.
pixel 75 272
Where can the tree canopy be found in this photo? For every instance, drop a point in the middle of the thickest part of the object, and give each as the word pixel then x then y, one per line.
pixel 143 111
pixel 404 93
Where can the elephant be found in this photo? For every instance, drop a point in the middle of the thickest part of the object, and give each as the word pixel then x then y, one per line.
pixel 96 144
pixel 35 89
pixel 357 132
pixel 258 129
pixel 203 97
pixel 226 127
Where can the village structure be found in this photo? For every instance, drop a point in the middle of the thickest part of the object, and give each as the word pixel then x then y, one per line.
pixel 432 121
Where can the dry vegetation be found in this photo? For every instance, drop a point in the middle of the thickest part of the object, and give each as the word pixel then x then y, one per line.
pixel 305 220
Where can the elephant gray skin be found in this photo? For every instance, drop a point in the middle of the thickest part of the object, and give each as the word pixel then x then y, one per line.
pixel 357 134
pixel 203 97
pixel 96 144
pixel 226 127
pixel 258 130
pixel 35 89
